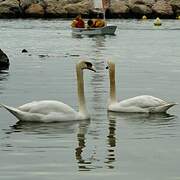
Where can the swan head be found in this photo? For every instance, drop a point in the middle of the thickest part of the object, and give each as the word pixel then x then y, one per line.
pixel 86 65
pixel 110 64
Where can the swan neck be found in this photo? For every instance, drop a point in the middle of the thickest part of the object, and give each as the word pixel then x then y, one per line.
pixel 112 83
pixel 80 89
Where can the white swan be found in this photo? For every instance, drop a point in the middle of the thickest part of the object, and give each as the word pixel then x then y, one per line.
pixel 138 104
pixel 55 111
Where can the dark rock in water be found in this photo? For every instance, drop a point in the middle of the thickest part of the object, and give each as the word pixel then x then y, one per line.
pixel 4 61
pixel 24 51
pixel 43 55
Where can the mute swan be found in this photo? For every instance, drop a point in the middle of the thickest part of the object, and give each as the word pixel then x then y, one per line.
pixel 138 104
pixel 55 111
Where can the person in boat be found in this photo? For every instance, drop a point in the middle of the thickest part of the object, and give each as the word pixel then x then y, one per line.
pixel 90 23
pixel 78 22
pixel 96 23
pixel 99 22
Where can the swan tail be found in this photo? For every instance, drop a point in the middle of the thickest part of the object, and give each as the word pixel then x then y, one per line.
pixel 163 108
pixel 17 113
pixel 23 116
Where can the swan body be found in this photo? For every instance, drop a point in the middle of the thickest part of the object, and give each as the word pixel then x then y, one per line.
pixel 46 111
pixel 54 111
pixel 138 104
pixel 141 104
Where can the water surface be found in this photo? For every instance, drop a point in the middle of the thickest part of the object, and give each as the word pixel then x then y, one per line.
pixel 137 146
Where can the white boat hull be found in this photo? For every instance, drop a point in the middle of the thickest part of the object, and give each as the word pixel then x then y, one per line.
pixel 107 30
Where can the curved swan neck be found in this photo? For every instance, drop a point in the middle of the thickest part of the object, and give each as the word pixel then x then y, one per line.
pixel 80 89
pixel 112 83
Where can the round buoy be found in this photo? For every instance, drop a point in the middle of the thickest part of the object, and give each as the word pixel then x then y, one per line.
pixel 144 17
pixel 157 22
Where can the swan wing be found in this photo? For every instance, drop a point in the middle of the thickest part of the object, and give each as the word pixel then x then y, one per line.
pixel 39 117
pixel 141 104
pixel 21 115
pixel 46 107
pixel 144 101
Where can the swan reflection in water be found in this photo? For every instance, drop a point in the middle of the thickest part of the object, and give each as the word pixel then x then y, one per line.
pixel 139 120
pixel 82 162
pixel 86 159
pixel 79 129
pixel 111 142
pixel 157 119
pixel 3 77
pixel 50 128
pixel 87 164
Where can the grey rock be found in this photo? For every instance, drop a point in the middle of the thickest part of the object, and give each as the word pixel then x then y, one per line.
pixel 119 7
pixel 141 9
pixel 9 8
pixel 175 4
pixel 162 8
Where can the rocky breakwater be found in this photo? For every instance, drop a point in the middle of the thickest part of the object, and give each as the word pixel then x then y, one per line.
pixel 150 8
pixel 71 8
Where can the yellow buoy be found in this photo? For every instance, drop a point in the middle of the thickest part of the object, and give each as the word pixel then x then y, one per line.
pixel 144 17
pixel 178 17
pixel 157 22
